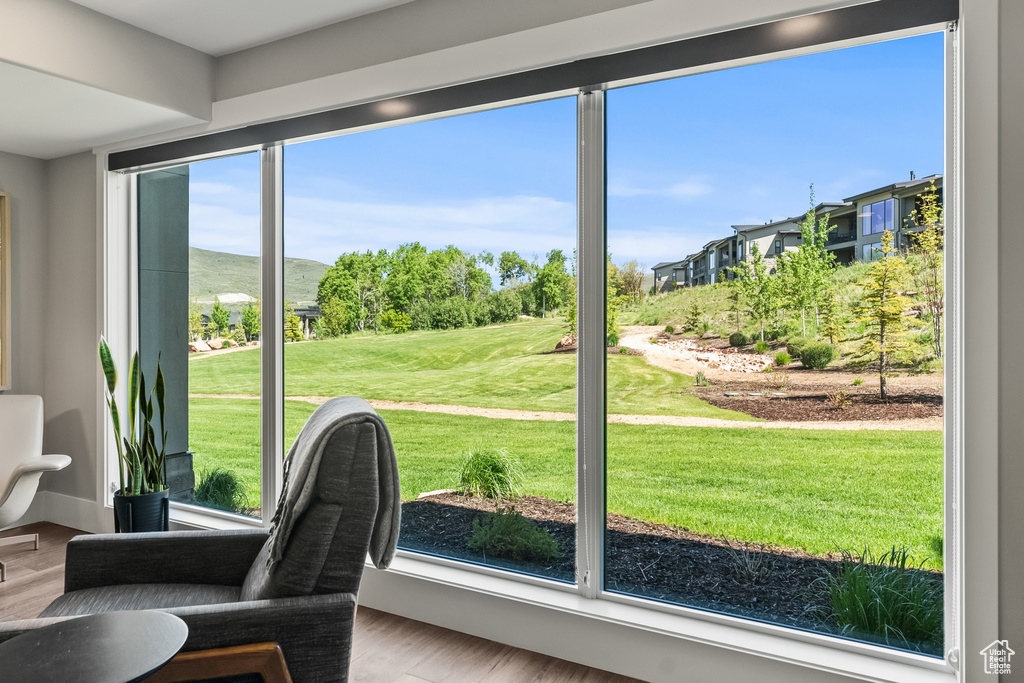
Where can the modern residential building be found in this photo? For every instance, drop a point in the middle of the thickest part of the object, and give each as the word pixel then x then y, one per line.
pixel 857 223
pixel 95 90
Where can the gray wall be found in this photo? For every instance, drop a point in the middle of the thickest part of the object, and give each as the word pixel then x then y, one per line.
pixel 68 331
pixel 24 179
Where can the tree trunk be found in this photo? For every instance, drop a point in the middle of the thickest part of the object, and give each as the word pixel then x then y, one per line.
pixel 803 321
pixel 762 328
pixel 882 358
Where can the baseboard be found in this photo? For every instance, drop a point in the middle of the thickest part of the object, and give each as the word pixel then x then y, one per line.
pixel 77 513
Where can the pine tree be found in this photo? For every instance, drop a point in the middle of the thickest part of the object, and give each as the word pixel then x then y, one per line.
pixel 832 322
pixel 882 308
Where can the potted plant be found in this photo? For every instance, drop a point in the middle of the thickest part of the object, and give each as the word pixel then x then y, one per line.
pixel 142 502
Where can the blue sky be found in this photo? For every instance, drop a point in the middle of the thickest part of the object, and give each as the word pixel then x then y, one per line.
pixel 687 158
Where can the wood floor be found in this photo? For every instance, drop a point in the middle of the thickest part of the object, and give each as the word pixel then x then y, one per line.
pixel 386 648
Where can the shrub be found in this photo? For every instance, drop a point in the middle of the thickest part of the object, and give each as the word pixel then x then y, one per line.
pixel 794 345
pixel 701 379
pixel 239 335
pixel 505 305
pixel 888 597
pixel 509 535
pixel 738 339
pixel 421 315
pixel 612 339
pixel 783 358
pixel 450 314
pixel 396 321
pixel 479 313
pixel 817 355
pixel 857 382
pixel 761 346
pixel 837 399
pixel 491 474
pixel 670 329
pixel 220 489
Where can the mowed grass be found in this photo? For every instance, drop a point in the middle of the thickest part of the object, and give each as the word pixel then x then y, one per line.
pixel 490 367
pixel 812 489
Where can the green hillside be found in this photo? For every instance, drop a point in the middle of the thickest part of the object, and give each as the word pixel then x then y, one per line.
pixel 211 273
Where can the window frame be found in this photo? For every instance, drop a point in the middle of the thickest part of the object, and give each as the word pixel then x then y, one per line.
pixel 121 265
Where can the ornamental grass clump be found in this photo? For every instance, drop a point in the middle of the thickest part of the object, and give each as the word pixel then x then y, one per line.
pixel 495 474
pixel 220 489
pixel 887 597
pixel 508 535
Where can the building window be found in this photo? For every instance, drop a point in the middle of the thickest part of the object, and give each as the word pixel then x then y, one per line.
pixel 878 217
pixel 871 252
pixel 778 246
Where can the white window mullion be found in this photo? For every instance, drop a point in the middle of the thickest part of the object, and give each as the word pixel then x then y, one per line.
pixel 271 329
pixel 591 354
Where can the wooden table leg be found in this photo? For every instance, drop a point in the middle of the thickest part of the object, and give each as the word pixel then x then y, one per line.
pixel 265 659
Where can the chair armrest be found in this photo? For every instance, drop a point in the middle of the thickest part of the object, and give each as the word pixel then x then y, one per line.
pixel 45 463
pixel 13 629
pixel 211 557
pixel 314 631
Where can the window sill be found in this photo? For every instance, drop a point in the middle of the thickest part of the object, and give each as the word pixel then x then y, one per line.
pixel 184 516
pixel 486 604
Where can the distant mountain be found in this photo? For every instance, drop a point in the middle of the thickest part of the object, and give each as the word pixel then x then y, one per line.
pixel 218 273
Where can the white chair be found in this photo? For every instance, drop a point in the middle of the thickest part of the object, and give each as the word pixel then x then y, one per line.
pixel 21 462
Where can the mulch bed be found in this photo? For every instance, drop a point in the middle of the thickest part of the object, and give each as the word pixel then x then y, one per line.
pixel 646 559
pixel 777 585
pixel 810 402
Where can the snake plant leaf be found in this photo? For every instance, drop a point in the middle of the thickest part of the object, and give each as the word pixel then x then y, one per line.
pixel 107 362
pixel 134 373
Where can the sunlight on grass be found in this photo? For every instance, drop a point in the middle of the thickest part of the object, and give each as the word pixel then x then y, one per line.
pixel 813 489
pixel 490 367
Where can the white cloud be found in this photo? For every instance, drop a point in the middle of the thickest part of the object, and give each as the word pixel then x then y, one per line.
pixel 688 188
pixel 321 229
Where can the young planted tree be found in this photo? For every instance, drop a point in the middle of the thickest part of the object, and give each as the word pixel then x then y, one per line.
pixel 882 308
pixel 832 320
pixel 807 272
pixel 552 282
pixel 195 320
pixel 694 317
pixel 251 320
pixel 760 289
pixel 736 302
pixel 292 326
pixel 926 247
pixel 220 316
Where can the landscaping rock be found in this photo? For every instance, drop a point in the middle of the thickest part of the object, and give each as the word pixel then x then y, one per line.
pixel 566 342
pixel 198 347
pixel 216 344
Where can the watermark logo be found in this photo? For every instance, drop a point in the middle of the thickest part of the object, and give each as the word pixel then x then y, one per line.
pixel 997 657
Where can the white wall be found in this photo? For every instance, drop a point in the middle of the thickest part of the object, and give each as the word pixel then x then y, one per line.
pixel 70 333
pixel 24 178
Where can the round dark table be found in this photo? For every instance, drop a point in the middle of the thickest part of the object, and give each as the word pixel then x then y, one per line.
pixel 112 647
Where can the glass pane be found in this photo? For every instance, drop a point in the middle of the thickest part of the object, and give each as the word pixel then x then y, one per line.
pixel 877 217
pixel 734 481
pixel 889 225
pixel 199 272
pixel 429 269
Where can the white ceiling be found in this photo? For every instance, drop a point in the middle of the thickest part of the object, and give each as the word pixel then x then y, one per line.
pixel 49 116
pixel 219 27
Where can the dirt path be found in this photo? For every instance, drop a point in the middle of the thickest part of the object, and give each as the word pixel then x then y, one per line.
pixel 923 424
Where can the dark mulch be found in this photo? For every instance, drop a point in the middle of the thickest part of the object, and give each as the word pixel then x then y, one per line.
pixel 811 403
pixel 777 585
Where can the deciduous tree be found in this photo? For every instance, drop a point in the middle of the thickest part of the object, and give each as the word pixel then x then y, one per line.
pixel 926 249
pixel 882 307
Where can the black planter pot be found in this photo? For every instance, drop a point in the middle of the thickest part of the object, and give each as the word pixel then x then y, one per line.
pixel 147 512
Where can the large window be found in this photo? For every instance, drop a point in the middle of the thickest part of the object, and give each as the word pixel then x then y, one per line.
pixel 744 492
pixel 878 217
pixel 430 269
pixel 199 291
pixel 762 439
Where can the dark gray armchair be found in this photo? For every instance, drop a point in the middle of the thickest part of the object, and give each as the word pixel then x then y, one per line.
pixel 295 585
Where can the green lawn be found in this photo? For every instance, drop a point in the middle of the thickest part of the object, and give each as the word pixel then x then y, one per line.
pixel 819 490
pixel 493 367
